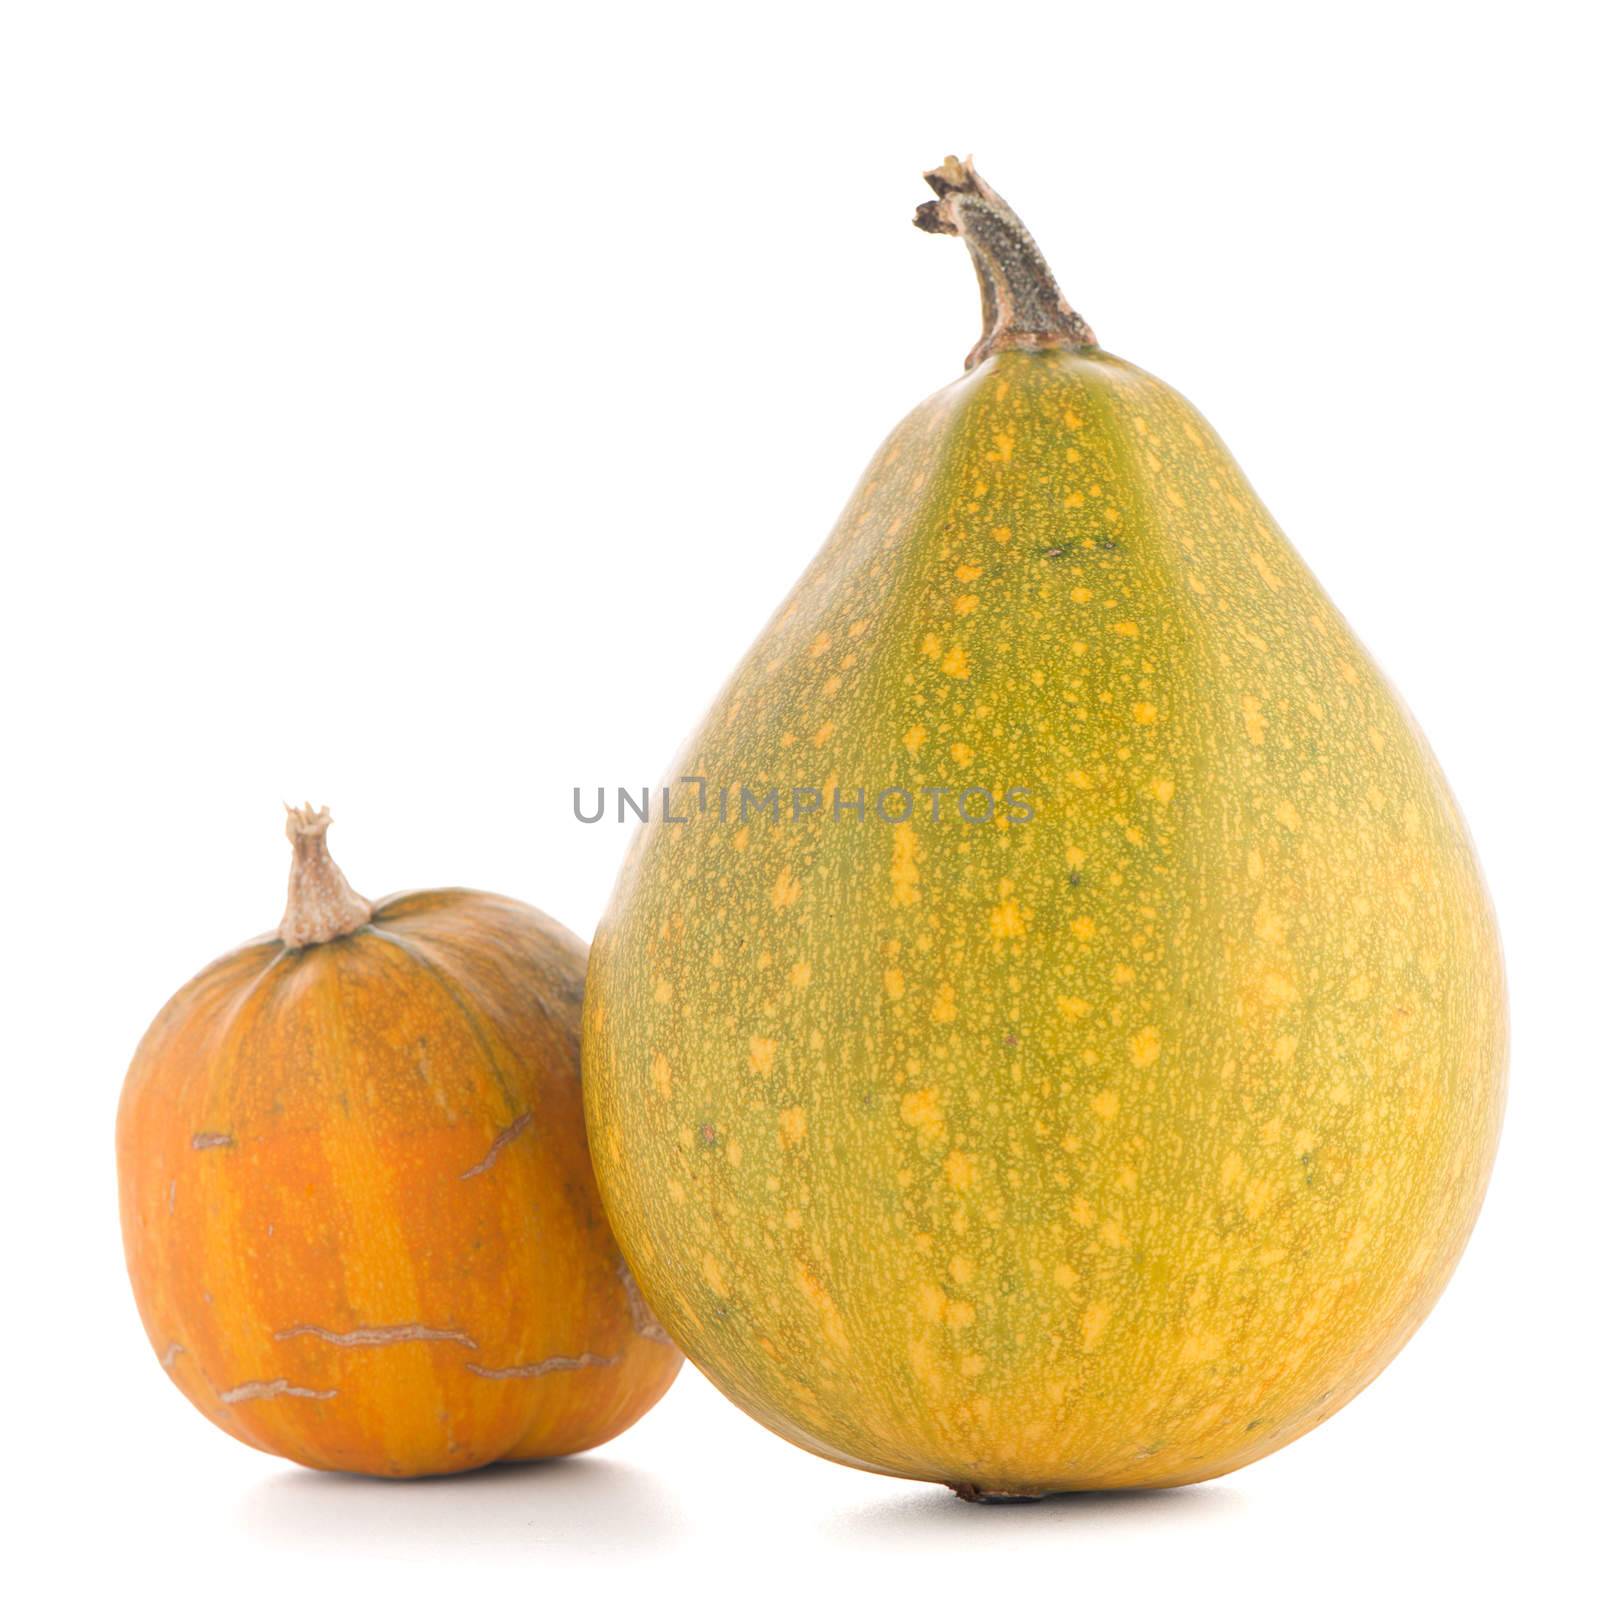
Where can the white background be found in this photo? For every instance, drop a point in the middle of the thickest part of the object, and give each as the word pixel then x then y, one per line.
pixel 419 408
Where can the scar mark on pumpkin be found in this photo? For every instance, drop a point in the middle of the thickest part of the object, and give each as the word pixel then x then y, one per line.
pixel 539 1369
pixel 211 1141
pixel 398 1334
pixel 501 1140
pixel 171 1353
pixel 263 1390
pixel 644 1321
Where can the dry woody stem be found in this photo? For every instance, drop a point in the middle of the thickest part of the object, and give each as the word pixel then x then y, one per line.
pixel 1023 309
pixel 322 905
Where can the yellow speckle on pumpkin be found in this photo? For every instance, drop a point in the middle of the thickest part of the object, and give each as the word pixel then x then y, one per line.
pixel 903 866
pixel 894 983
pixel 959 1170
pixel 1278 990
pixel 1083 928
pixel 1255 725
pixel 663 993
pixel 711 1271
pixel 763 1056
pixel 956 663
pixel 967 573
pixel 1144 712
pixel 1093 1326
pixel 944 1004
pixel 1006 920
pixel 920 1110
pixel 1145 1047
pixel 1269 926
pixel 791 1126
pixel 822 1303
pixel 1105 1104
pixel 785 891
pixel 923 1367
pixel 966 604
pixel 661 1076
pixel 1266 574
pixel 800 975
pixel 1073 1006
pixel 1082 596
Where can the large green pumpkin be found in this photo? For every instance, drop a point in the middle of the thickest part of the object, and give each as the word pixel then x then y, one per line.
pixel 1114 1144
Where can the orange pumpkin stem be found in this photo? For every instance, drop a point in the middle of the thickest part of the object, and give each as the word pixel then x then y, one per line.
pixel 322 905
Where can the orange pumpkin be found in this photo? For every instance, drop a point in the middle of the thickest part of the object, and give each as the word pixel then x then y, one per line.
pixel 357 1203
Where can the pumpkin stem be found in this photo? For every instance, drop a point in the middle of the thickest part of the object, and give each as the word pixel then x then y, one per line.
pixel 1023 309
pixel 322 905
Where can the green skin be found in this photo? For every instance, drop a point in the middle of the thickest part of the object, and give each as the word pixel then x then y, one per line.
pixel 1111 1148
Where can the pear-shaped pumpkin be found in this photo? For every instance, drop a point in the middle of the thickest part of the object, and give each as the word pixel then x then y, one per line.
pixel 359 1213
pixel 1072 1054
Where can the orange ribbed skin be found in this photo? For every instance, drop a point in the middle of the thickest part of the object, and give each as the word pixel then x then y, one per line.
pixel 360 1219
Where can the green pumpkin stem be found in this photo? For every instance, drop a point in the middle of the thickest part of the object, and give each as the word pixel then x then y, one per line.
pixel 1023 307
pixel 322 905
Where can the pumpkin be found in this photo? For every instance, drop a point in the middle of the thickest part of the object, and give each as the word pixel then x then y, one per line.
pixel 359 1215
pixel 1059 1042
